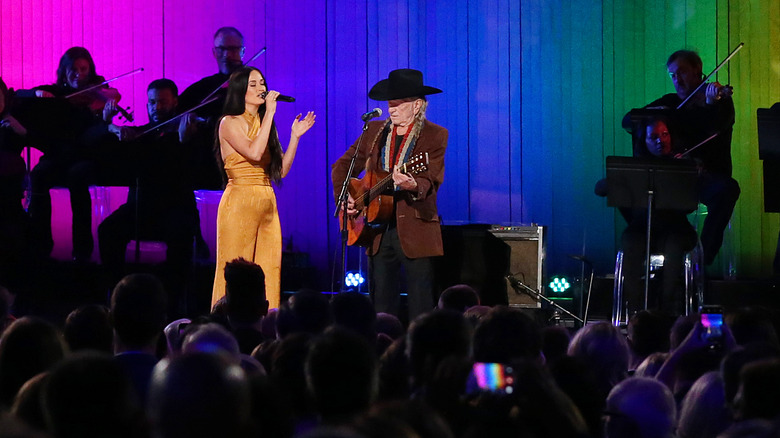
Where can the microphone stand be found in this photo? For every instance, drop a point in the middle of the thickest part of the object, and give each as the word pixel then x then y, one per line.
pixel 585 263
pixel 341 205
pixel 519 286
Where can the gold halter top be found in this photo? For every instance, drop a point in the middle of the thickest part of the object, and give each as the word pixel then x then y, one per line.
pixel 241 171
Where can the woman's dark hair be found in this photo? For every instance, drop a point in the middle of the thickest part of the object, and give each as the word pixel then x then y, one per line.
pixel 69 58
pixel 235 106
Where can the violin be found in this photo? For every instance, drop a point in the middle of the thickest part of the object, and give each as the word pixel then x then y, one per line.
pixel 129 133
pixel 169 126
pixel 96 96
pixel 95 100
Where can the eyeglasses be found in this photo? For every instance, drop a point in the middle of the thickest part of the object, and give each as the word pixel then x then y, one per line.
pixel 229 49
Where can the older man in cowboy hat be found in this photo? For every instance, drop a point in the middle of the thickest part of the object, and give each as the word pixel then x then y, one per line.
pixel 412 234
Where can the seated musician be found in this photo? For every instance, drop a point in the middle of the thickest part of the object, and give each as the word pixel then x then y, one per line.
pixel 68 158
pixel 12 173
pixel 228 51
pixel 671 235
pixel 161 204
pixel 206 172
pixel 709 111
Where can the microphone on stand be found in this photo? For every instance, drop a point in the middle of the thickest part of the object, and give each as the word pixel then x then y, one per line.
pixel 374 113
pixel 280 98
pixel 521 287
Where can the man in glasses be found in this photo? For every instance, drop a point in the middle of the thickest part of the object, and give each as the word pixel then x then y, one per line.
pixel 228 51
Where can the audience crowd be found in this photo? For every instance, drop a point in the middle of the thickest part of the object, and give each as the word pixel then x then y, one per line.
pixel 334 368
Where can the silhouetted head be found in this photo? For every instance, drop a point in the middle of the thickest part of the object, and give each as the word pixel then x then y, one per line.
pixel 306 311
pixel 355 311
pixel 458 298
pixel 758 395
pixel 703 412
pixel 212 338
pixel 138 311
pixel 198 395
pixel 605 350
pixel 245 291
pixel 341 374
pixel 432 337
pixel 29 346
pixel 641 407
pixel 89 328
pixel 506 334
pixel 89 395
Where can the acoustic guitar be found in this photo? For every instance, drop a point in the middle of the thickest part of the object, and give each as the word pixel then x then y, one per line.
pixel 374 201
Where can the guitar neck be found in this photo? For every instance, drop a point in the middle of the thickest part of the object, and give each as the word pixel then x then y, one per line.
pixel 419 163
pixel 383 185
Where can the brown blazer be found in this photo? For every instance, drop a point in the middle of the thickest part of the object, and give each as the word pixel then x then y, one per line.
pixel 416 215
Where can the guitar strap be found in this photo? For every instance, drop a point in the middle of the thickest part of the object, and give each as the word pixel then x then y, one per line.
pixel 389 157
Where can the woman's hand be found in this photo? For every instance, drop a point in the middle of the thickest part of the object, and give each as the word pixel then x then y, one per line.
pixel 110 110
pixel 270 101
pixel 11 123
pixel 694 340
pixel 300 126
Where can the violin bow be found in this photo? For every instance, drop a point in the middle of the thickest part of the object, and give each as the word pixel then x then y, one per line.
pixel 130 73
pixel 728 58
pixel 154 128
pixel 684 154
pixel 257 55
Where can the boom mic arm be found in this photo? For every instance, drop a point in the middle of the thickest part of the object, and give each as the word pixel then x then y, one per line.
pixel 521 287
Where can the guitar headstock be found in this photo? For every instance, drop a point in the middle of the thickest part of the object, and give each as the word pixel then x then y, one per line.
pixel 416 164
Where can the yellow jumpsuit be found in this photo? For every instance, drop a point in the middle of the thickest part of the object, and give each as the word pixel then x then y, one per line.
pixel 248 225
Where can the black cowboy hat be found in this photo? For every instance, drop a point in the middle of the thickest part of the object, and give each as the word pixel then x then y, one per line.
pixel 401 83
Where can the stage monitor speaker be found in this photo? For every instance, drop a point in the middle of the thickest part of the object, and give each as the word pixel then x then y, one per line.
pixel 526 261
pixel 483 255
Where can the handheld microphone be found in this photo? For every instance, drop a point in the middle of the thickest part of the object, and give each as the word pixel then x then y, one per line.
pixel 374 113
pixel 281 97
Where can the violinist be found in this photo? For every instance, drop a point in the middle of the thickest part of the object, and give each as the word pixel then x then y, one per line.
pixel 160 204
pixel 228 52
pixel 709 111
pixel 69 158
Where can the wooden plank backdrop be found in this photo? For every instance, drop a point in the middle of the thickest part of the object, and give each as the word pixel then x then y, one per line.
pixel 534 94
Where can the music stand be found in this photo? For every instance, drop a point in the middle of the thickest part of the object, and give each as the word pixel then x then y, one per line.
pixel 768 120
pixel 651 183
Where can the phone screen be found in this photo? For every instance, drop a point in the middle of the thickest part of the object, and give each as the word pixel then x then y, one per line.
pixel 491 377
pixel 713 326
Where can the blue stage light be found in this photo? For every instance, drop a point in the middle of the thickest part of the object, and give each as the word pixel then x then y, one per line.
pixel 354 279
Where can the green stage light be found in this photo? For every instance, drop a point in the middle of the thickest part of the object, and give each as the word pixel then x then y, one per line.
pixel 559 285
